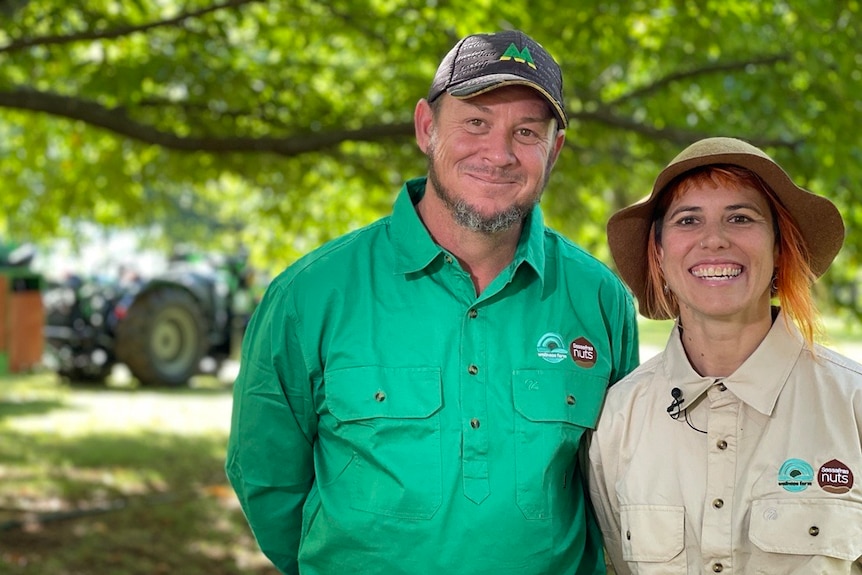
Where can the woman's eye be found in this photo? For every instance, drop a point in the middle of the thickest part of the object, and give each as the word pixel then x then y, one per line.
pixel 739 219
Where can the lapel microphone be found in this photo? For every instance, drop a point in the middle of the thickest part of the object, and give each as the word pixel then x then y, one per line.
pixel 675 408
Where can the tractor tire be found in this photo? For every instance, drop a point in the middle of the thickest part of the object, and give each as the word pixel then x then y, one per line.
pixel 162 338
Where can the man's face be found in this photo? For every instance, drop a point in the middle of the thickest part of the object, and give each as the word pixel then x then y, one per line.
pixel 489 156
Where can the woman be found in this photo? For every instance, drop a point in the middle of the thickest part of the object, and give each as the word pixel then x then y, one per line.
pixel 738 448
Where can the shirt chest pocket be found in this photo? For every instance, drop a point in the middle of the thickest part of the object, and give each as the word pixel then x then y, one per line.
pixel 812 527
pixel 385 425
pixel 553 408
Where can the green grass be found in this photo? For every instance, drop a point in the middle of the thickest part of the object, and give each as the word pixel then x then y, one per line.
pixel 131 491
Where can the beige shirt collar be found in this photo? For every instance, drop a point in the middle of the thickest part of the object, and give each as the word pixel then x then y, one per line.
pixel 758 381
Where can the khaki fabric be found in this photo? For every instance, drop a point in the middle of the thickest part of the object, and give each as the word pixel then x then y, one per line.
pixel 762 472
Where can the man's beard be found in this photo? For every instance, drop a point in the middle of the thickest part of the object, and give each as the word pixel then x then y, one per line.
pixel 469 217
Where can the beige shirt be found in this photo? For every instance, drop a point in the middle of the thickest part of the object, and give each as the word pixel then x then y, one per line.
pixel 758 473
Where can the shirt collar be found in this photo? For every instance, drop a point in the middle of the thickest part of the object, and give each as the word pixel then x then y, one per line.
pixel 416 249
pixel 757 382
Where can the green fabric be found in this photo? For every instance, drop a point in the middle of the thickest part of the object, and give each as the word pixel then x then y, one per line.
pixel 351 447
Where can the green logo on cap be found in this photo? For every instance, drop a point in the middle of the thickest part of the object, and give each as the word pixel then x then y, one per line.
pixel 522 56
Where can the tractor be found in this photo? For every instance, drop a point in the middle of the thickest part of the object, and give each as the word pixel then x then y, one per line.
pixel 166 329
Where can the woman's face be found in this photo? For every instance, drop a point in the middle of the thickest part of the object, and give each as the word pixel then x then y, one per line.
pixel 718 253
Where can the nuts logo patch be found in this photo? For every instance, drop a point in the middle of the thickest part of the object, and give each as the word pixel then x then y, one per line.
pixel 583 352
pixel 835 477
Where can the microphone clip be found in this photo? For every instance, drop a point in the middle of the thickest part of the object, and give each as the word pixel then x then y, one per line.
pixel 675 408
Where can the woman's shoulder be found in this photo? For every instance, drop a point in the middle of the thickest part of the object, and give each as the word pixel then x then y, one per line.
pixel 637 382
pixel 838 363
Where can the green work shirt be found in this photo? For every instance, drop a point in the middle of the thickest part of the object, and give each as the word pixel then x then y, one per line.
pixel 388 420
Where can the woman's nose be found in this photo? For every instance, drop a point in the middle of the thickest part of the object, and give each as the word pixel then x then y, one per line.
pixel 715 237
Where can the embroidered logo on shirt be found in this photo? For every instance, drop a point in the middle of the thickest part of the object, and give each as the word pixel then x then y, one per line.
pixel 551 348
pixel 583 352
pixel 795 475
pixel 835 477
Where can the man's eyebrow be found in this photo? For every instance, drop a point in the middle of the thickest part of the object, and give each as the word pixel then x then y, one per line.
pixel 525 120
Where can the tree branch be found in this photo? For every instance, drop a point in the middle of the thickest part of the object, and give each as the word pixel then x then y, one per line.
pixel 675 135
pixel 25 43
pixel 116 120
pixel 695 72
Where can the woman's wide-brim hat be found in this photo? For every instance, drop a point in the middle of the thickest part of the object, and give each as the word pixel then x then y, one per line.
pixel 628 229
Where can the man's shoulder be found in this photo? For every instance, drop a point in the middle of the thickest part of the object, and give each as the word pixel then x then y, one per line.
pixel 576 259
pixel 333 255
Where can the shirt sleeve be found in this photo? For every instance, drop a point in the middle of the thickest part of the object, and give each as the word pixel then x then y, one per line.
pixel 626 343
pixel 269 454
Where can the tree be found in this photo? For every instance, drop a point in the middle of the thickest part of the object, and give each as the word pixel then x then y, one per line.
pixel 282 124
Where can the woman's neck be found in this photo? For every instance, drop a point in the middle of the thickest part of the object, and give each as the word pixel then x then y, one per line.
pixel 717 347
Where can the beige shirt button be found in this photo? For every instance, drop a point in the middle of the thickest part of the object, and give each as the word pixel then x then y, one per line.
pixel 472 369
pixel 474 423
pixel 628 535
pixel 718 503
pixel 717 567
pixel 721 444
pixel 722 387
pixel 814 531
pixel 380 396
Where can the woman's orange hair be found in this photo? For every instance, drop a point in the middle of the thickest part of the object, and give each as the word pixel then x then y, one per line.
pixel 793 277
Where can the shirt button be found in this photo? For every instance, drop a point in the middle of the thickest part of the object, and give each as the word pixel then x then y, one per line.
pixel 721 444
pixel 380 396
pixel 448 259
pixel 474 423
pixel 570 399
pixel 722 387
pixel 814 531
pixel 717 567
pixel 472 314
pixel 628 535
pixel 472 370
pixel 718 503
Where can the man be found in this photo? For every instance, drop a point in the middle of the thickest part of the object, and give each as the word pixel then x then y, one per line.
pixel 412 395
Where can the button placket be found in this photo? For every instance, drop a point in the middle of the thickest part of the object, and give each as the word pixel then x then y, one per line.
pixel 473 403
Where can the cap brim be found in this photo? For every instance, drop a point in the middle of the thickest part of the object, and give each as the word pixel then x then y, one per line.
pixel 491 82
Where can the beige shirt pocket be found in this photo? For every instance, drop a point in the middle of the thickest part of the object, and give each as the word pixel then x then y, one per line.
pixel 653 537
pixel 810 527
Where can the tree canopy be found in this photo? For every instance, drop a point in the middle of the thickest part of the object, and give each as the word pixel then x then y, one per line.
pixel 280 124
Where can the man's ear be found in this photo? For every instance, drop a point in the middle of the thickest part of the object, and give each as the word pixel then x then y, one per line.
pixel 559 140
pixel 423 121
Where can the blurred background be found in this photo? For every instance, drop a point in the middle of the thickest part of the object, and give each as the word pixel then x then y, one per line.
pixel 162 160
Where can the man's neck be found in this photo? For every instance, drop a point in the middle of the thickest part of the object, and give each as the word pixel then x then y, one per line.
pixel 482 255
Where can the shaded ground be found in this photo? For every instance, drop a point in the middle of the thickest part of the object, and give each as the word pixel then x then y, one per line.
pixel 118 481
